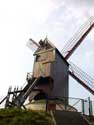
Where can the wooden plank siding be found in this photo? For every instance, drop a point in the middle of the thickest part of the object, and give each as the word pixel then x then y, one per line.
pixel 42 63
pixel 50 63
pixel 59 73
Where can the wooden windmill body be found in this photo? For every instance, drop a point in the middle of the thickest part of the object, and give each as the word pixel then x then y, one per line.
pixel 53 68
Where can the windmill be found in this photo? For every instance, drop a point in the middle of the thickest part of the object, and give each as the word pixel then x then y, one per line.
pixel 51 70
pixel 80 76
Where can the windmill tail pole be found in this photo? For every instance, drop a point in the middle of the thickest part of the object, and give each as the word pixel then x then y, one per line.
pixel 23 96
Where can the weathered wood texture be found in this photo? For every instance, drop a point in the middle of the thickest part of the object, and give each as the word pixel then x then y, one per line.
pixel 42 65
pixel 50 63
pixel 59 73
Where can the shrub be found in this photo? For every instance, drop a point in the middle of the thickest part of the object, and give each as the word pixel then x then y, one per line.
pixel 23 117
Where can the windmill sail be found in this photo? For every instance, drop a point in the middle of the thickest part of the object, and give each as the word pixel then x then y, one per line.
pixel 81 77
pixel 78 37
pixel 32 45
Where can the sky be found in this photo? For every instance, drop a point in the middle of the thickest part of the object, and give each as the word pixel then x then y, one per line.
pixel 56 19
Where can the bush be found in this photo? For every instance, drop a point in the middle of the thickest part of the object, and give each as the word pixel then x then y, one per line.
pixel 23 117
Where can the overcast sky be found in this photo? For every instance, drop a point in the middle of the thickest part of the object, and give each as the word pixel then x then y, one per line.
pixel 59 20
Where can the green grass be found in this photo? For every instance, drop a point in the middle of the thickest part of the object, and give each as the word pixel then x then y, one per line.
pixel 23 117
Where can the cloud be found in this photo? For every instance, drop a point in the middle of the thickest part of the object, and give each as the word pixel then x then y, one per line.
pixel 64 21
pixel 83 2
pixel 84 7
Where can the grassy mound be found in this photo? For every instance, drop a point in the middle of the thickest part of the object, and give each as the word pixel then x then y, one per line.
pixel 23 117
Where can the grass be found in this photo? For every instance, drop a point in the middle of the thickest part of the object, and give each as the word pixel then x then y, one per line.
pixel 24 117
